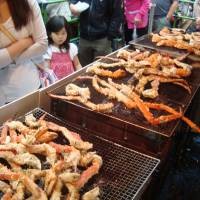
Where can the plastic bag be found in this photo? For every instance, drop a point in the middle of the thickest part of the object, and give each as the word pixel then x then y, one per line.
pixel 59 9
pixel 47 77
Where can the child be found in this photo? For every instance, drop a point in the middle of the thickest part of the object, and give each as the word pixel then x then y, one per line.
pixel 61 55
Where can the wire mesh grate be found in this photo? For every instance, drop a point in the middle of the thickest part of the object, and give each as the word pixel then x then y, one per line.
pixel 124 171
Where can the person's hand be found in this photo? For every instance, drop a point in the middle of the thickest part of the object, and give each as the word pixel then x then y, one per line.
pixel 26 42
pixel 136 21
pixel 16 48
pixel 74 10
pixel 168 18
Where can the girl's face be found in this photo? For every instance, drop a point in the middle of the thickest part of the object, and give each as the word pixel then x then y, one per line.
pixel 59 37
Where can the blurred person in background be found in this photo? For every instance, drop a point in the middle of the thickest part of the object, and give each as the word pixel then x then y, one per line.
pixel 136 15
pixel 23 40
pixel 164 11
pixel 197 14
pixel 100 22
pixel 61 9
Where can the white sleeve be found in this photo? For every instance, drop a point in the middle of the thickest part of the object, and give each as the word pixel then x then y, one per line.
pixel 48 54
pixel 38 32
pixel 5 58
pixel 73 50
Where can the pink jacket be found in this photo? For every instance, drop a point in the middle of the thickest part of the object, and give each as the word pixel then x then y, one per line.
pixel 136 9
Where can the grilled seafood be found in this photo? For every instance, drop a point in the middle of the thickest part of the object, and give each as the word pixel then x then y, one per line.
pixel 56 194
pixel 126 55
pixel 21 159
pixel 4 187
pixel 43 149
pixel 74 90
pixel 37 192
pixel 4 133
pixel 73 192
pixel 102 72
pixel 132 100
pixel 92 194
pixel 47 137
pixel 31 121
pixel 62 162
pixel 69 177
pixel 174 38
pixel 89 172
pixel 155 80
pixel 20 193
pixel 110 91
pixel 162 119
pixel 104 107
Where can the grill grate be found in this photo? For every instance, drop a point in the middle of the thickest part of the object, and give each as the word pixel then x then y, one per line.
pixel 133 117
pixel 124 173
pixel 145 41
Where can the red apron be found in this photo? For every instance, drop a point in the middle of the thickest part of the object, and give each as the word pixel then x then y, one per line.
pixel 61 64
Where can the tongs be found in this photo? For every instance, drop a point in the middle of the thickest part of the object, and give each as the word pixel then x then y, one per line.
pixel 134 36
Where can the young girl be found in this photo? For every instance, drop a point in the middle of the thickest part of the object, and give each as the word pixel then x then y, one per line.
pixel 61 54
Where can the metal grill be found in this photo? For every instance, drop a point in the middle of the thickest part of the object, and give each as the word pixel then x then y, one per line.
pixel 145 41
pixel 124 173
pixel 134 117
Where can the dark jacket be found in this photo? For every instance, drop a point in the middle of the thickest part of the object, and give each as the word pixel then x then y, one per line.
pixel 102 19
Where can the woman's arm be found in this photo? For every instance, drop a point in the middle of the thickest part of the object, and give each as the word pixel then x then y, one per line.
pixel 8 54
pixel 76 63
pixel 172 9
pixel 38 31
pixel 16 48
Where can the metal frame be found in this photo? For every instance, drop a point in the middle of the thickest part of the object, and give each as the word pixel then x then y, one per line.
pixel 38 98
pixel 124 169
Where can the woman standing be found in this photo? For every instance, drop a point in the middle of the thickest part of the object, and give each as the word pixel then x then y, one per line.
pixel 136 14
pixel 22 40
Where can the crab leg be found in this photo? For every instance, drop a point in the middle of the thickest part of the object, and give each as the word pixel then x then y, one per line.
pixel 106 107
pixel 89 172
pixel 102 72
pixel 191 124
pixel 4 133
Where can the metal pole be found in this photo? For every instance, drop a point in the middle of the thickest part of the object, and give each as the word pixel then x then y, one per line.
pixel 151 17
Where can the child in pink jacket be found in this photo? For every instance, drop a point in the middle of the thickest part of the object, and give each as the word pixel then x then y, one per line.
pixel 136 14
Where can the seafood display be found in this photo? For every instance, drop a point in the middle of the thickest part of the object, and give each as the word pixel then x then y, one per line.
pixel 146 67
pixel 126 95
pixel 146 71
pixel 179 39
pixel 34 166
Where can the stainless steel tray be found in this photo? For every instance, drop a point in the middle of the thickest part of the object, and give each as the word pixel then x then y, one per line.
pixel 124 173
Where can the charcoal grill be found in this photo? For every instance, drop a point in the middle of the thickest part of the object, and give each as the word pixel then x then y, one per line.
pixel 125 172
pixel 123 126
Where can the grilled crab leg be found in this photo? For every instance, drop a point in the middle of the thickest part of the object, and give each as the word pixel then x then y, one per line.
pixel 73 138
pixel 105 107
pixel 36 191
pixel 162 119
pixel 102 72
pixel 89 172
